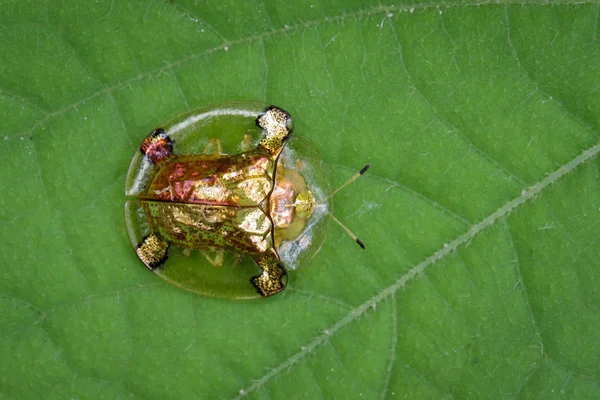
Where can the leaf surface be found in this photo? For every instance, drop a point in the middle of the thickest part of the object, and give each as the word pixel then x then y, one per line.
pixel 481 212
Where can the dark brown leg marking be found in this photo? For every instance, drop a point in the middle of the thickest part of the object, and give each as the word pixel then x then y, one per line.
pixel 157 146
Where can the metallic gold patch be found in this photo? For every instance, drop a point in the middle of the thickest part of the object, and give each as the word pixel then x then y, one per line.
pixel 255 189
pixel 273 278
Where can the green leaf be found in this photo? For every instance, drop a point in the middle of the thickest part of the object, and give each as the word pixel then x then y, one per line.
pixel 481 212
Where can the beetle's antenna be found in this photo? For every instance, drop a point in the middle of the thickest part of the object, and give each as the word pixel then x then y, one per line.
pixel 348 231
pixel 349 181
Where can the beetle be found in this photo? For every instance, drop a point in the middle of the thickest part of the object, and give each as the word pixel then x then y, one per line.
pixel 194 214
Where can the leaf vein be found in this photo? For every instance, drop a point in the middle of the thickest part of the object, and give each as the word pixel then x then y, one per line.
pixel 281 31
pixel 327 299
pixel 394 344
pixel 453 128
pixel 202 22
pixel 61 224
pixel 521 283
pixel 542 91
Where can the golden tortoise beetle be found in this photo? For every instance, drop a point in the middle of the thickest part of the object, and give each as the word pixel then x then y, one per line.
pixel 196 205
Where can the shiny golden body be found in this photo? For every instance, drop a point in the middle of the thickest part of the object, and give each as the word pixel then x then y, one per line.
pixel 219 202
pixel 214 202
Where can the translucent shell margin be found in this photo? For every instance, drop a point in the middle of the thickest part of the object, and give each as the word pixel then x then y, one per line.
pixel 191 133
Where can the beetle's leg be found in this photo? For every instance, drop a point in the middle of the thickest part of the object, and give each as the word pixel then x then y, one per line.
pixel 237 259
pixel 157 146
pixel 247 143
pixel 217 259
pixel 278 126
pixel 213 147
pixel 152 251
pixel 273 278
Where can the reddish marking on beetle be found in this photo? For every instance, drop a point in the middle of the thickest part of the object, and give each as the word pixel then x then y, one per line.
pixel 282 200
pixel 157 146
pixel 178 173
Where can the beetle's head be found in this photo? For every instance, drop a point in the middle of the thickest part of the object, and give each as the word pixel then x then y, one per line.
pixel 304 204
pixel 292 204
